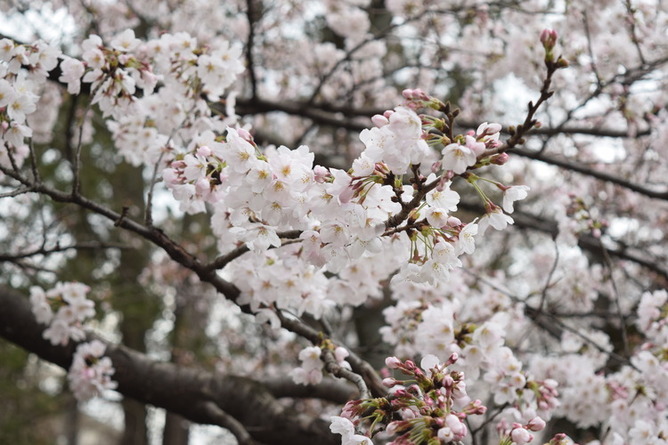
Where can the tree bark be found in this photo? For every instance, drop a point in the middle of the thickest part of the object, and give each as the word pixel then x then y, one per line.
pixel 202 397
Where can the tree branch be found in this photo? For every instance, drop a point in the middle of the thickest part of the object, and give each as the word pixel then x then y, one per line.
pixel 579 168
pixel 588 243
pixel 199 396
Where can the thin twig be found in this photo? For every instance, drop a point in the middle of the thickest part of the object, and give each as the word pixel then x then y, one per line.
pixel 223 419
pixel 339 371
pixel 618 307
pixel 543 296
pixel 76 161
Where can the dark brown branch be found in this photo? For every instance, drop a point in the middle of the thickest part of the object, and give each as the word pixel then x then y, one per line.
pixel 223 260
pixel 345 117
pixel 200 396
pixel 359 366
pixel 252 16
pixel 580 168
pixel 42 250
pixel 228 422
pixel 329 389
pixel 588 243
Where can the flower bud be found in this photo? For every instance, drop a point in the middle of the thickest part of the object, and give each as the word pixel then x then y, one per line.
pixel 245 135
pixel 204 151
pixel 562 63
pixel 521 436
pixel 536 424
pixel 500 159
pixel 548 37
pixel 389 382
pixel 321 174
pixel 379 120
pixel 392 362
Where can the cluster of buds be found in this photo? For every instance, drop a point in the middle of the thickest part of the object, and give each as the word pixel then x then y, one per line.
pixel 545 393
pixel 416 98
pixel 427 408
pixel 520 434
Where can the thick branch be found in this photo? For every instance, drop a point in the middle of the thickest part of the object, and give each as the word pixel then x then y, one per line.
pixel 199 396
pixel 329 389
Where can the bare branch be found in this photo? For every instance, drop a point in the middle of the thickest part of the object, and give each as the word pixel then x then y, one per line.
pixel 228 422
pixel 579 168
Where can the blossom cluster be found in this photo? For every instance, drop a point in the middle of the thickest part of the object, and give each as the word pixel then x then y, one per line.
pixel 23 68
pixel 90 372
pixel 64 308
pixel 302 238
pixel 447 327
pixel 431 406
pixel 188 75
pixel 256 194
pixel 261 198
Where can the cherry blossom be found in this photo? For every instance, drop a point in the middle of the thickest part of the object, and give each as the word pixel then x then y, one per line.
pixel 91 372
pixel 64 308
pixel 320 187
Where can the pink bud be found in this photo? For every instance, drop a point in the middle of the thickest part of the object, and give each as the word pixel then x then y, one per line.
pixel 340 353
pixel 389 382
pixel 379 120
pixel 245 135
pixel 202 186
pixel 421 95
pixel 453 221
pixel 557 439
pixel 521 436
pixel 392 362
pixel 536 424
pixel 487 129
pixel 548 37
pixel 204 151
pixel 446 435
pixel 321 173
pixel 500 159
pixel 476 407
pixel 456 425
pixel 393 427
